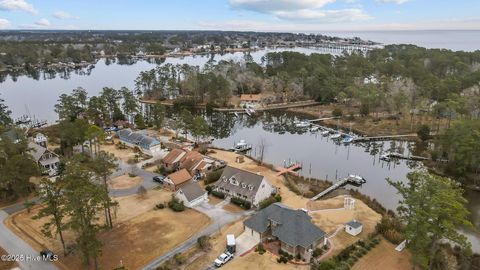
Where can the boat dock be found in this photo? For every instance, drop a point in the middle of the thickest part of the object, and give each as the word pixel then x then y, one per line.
pixel 384 138
pixel 350 179
pixel 292 169
pixel 389 156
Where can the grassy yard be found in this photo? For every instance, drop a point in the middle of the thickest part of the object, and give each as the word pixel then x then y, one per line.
pixel 140 234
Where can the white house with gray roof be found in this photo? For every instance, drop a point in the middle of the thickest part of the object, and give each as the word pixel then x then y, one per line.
pixel 46 159
pixel 292 228
pixel 245 185
pixel 353 227
pixel 191 194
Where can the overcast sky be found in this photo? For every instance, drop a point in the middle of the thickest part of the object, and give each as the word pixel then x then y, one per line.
pixel 252 15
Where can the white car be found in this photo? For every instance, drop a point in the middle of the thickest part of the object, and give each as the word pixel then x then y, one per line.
pixel 223 259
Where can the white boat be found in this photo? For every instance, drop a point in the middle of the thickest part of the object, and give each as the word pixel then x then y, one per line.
pixel 385 157
pixel 357 179
pixel 314 129
pixel 347 139
pixel 302 124
pixel 336 136
pixel 241 146
pixel 325 133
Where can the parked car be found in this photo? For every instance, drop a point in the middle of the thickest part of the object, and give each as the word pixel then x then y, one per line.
pixel 159 179
pixel 223 259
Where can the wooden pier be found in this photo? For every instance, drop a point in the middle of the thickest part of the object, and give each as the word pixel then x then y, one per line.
pixel 350 178
pixel 400 156
pixel 292 169
pixel 323 119
pixel 384 138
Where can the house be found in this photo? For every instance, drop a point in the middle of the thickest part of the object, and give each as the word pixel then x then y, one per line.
pixel 197 164
pixel 353 227
pixel 292 228
pixel 146 144
pixel 40 139
pixel 250 100
pixel 174 180
pixel 172 160
pixel 245 185
pixel 45 158
pixel 191 194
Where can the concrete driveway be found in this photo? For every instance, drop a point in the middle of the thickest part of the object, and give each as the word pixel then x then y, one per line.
pixel 244 243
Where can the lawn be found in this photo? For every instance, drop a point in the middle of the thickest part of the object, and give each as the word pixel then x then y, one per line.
pixel 384 257
pixel 140 234
pixel 266 261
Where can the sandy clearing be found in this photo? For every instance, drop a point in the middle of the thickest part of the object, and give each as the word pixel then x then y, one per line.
pixel 137 227
pixel 384 257
pixel 256 261
pixel 124 182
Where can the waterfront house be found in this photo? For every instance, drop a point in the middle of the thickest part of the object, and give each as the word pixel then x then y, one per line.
pixel 175 180
pixel 40 139
pixel 46 159
pixel 191 194
pixel 250 100
pixel 197 164
pixel 146 144
pixel 293 229
pixel 245 185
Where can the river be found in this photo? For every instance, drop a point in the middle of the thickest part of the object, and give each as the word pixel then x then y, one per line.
pixel 321 157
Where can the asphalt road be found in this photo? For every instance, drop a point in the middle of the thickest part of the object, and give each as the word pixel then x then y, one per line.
pixel 14 245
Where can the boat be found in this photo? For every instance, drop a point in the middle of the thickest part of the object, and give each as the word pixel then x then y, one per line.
pixel 314 129
pixel 336 136
pixel 357 179
pixel 302 124
pixel 347 139
pixel 325 133
pixel 385 157
pixel 241 146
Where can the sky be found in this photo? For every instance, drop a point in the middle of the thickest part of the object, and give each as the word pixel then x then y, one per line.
pixel 245 15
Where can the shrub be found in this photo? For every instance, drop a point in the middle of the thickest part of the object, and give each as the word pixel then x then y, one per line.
pixel 179 258
pixel 267 202
pixel 141 191
pixel 242 203
pixel 393 236
pixel 260 249
pixel 424 132
pixel 203 242
pixel 160 206
pixel 317 252
pixel 298 258
pixel 337 112
pixel 175 205
pixel 209 189
pixel 218 194
pixel 278 198
pixel 326 265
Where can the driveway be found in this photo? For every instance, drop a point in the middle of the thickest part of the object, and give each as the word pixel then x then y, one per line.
pixel 244 243
pixel 14 245
pixel 219 218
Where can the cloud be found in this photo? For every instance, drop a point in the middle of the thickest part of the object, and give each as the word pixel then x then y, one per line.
pixel 63 15
pixel 17 5
pixel 393 1
pixel 326 16
pixel 43 22
pixel 311 11
pixel 267 6
pixel 4 24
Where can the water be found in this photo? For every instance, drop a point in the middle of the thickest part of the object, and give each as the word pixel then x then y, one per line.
pixel 38 97
pixel 322 158
pixel 456 40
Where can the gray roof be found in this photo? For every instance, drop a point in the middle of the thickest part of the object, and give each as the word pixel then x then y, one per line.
pixel 354 224
pixel 244 179
pixel 36 151
pixel 294 227
pixel 137 138
pixel 192 190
